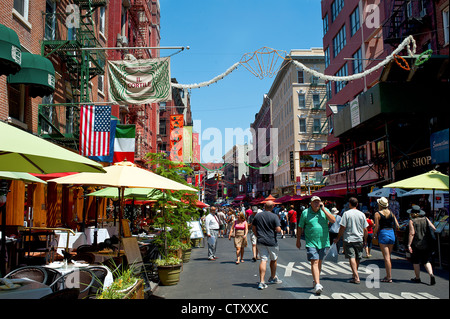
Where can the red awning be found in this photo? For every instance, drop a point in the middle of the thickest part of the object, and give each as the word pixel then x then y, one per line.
pixel 283 199
pixel 46 177
pixel 341 189
pixel 240 198
pixel 330 146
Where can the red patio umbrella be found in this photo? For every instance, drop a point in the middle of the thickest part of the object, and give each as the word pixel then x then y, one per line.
pixel 268 198
pixel 283 199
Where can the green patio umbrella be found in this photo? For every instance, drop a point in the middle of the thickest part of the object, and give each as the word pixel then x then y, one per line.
pixel 21 151
pixel 430 180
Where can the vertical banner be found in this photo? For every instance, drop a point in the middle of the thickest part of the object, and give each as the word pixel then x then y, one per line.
pixel 176 137
pixel 124 143
pixel 195 148
pixel 187 144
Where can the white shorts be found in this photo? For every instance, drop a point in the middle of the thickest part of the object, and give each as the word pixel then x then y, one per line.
pixel 268 252
pixel 253 238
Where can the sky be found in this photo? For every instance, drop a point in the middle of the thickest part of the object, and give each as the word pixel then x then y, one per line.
pixel 219 33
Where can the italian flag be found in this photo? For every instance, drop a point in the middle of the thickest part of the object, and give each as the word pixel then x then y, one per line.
pixel 124 143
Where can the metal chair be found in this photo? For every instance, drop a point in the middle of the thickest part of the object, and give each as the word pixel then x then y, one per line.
pixel 100 274
pixel 53 276
pixel 86 280
pixel 35 273
pixel 84 256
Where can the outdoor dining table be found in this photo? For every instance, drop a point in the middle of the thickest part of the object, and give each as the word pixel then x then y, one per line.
pixel 28 289
pixel 70 267
pixel 79 238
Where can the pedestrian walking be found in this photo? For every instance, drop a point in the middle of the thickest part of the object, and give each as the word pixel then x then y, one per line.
pixel 353 228
pixel 371 223
pixel 334 228
pixel 230 220
pixel 283 215
pixel 314 223
pixel 212 232
pixel 420 243
pixel 252 234
pixel 222 223
pixel 266 225
pixel 240 229
pixel 385 223
pixel 292 215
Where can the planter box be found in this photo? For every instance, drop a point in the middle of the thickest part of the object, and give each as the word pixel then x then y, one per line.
pixel 137 291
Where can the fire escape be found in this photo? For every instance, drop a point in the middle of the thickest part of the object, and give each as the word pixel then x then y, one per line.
pixel 405 18
pixel 66 42
pixel 140 19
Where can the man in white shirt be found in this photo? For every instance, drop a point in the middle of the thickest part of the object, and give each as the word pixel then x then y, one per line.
pixel 212 232
pixel 353 228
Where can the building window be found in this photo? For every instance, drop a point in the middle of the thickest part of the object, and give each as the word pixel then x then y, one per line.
pixel 300 78
pixel 21 6
pixel 301 101
pixel 302 124
pixel 101 26
pixel 316 101
pixel 336 7
pixel 357 62
pixel 325 24
pixel 327 57
pixel 303 147
pixel 316 126
pixel 339 41
pixel 162 127
pixel 100 82
pixel 329 91
pixel 445 22
pixel 50 11
pixel 339 85
pixel 354 21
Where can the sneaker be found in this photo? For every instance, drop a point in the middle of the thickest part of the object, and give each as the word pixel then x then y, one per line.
pixel 274 281
pixel 262 286
pixel 318 289
pixel 432 280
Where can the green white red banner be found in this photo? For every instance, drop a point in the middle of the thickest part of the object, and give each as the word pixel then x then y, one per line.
pixel 140 81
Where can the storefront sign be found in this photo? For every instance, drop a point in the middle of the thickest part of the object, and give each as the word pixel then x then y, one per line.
pixel 310 161
pixel 354 112
pixel 439 146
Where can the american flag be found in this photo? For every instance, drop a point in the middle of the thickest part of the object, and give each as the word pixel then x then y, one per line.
pixel 95 127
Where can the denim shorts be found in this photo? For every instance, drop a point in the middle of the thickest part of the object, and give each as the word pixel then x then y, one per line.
pixel 313 253
pixel 386 236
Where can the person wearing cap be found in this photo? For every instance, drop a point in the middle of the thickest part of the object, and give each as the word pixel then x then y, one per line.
pixel 314 223
pixel 420 243
pixel 385 222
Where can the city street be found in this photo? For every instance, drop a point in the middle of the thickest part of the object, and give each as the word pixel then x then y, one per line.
pixel 223 279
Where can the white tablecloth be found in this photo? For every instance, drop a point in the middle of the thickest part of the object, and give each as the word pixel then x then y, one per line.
pixel 71 268
pixel 29 290
pixel 75 241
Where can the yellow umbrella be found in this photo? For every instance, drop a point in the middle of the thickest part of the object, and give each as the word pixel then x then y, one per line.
pixel 430 180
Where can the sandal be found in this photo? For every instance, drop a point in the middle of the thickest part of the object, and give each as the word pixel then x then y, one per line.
pixel 354 281
pixel 385 279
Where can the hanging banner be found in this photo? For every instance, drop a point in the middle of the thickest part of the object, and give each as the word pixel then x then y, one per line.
pixel 176 138
pixel 195 148
pixel 140 81
pixel 187 144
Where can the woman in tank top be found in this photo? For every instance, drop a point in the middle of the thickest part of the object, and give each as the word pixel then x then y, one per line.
pixel 385 222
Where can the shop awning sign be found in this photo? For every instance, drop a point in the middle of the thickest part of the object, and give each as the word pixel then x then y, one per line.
pixel 140 81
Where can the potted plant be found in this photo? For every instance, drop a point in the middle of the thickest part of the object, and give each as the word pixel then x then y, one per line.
pixel 186 252
pixel 169 270
pixel 125 286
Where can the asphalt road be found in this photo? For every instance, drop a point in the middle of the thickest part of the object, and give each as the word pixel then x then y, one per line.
pixel 222 279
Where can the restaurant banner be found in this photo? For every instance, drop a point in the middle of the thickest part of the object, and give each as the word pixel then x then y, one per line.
pixel 310 161
pixel 140 81
pixel 176 137
pixel 187 144
pixel 195 147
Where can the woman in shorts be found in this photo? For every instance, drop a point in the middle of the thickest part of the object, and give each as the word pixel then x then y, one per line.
pixel 385 225
pixel 240 229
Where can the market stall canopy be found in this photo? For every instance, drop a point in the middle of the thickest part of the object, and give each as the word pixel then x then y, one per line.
pixel 424 192
pixel 21 177
pixel 385 192
pixel 21 151
pixel 430 180
pixel 10 51
pixel 283 199
pixel 37 73
pixel 123 174
pixel 146 194
pixel 268 199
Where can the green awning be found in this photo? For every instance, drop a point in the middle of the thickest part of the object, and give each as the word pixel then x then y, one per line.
pixel 10 51
pixel 37 73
